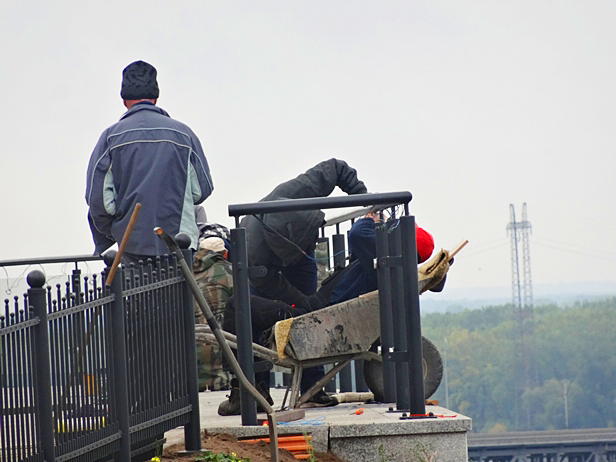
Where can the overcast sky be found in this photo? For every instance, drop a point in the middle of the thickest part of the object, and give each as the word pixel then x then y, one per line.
pixel 470 105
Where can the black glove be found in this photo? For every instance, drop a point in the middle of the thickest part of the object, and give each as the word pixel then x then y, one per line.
pixel 317 301
pixel 312 303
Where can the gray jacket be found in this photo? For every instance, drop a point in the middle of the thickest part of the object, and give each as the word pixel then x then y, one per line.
pixel 150 158
pixel 267 248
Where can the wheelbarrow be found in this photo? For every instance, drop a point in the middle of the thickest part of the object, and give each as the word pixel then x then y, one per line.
pixel 342 333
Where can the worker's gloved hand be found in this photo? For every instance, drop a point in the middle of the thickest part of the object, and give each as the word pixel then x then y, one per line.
pixel 451 261
pixel 312 303
pixel 291 311
pixel 317 301
pixel 440 286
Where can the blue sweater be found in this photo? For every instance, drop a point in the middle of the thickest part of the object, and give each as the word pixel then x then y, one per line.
pixel 361 278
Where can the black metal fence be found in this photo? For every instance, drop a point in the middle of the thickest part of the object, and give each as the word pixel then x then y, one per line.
pixel 93 372
pixel 398 295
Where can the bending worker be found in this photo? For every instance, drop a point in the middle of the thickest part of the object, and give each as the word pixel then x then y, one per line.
pixel 358 278
pixel 284 244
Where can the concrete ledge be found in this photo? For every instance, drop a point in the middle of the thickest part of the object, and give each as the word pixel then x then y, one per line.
pixel 367 436
pixel 402 427
pixel 446 447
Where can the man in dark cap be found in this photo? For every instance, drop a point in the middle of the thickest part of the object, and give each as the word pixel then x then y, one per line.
pixel 148 158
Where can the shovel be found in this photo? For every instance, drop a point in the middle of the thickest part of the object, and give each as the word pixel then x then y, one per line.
pixel 226 350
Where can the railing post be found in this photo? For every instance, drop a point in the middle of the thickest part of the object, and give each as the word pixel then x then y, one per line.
pixel 330 386
pixel 399 320
pixel 339 247
pixel 120 366
pixel 385 313
pixel 243 322
pixel 192 430
pixel 44 403
pixel 413 317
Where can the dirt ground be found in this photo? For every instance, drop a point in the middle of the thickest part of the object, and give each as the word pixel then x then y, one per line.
pixel 257 452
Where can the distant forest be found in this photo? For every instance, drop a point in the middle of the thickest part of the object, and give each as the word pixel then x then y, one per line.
pixel 572 355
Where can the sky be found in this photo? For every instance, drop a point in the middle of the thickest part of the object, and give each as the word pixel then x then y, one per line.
pixel 471 106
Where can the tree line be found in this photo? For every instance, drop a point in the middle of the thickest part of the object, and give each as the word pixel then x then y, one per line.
pixel 569 355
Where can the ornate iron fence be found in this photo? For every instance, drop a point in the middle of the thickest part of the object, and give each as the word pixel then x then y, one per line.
pixel 92 372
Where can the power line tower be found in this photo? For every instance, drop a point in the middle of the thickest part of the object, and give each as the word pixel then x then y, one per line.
pixel 527 287
pixel 522 300
pixel 522 292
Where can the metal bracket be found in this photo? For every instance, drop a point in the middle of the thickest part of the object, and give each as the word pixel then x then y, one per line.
pixel 388 262
pixel 257 271
pixel 397 356
pixel 429 415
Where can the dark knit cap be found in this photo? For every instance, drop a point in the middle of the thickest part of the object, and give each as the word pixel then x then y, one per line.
pixel 139 81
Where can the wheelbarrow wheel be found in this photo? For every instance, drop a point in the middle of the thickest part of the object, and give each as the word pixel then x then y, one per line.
pixel 432 369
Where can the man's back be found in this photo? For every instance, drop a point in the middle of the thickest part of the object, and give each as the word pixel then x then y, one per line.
pixel 149 158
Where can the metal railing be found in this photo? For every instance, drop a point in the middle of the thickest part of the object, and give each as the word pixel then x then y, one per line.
pixel 399 302
pixel 93 372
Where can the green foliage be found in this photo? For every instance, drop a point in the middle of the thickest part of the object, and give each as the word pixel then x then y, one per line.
pixel 573 349
pixel 311 457
pixel 209 456
pixel 382 453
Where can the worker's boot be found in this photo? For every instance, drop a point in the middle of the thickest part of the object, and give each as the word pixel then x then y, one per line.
pixel 321 399
pixel 232 405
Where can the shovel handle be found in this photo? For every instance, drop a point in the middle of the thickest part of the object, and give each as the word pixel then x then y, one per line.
pixel 116 260
pixel 457 248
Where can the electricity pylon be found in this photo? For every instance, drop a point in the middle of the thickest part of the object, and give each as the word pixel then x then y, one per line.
pixel 522 300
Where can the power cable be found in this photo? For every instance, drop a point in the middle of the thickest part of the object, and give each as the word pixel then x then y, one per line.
pixel 466 255
pixel 577 252
pixel 574 245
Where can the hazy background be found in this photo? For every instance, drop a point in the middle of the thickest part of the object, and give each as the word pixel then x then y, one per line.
pixel 471 106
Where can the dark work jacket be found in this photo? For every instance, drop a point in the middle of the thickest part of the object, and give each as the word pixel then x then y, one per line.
pixel 148 158
pixel 267 248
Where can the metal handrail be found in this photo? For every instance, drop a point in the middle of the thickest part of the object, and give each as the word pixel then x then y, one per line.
pixel 288 205
pixel 47 260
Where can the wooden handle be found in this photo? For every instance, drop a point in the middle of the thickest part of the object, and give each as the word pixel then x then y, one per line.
pixel 129 228
pixel 457 248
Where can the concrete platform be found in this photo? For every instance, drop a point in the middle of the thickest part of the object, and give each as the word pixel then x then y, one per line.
pixel 372 436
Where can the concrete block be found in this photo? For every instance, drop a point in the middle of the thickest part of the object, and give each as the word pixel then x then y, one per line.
pixel 443 447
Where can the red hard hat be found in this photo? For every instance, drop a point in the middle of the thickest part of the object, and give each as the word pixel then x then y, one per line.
pixel 425 243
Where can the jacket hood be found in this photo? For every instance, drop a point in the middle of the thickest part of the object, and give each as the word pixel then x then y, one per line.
pixel 290 234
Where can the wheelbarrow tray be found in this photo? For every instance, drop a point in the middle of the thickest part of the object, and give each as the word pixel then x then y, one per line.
pixel 345 328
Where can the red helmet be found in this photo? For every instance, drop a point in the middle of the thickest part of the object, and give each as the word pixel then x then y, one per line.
pixel 425 244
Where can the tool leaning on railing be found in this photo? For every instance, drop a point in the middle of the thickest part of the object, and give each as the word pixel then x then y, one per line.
pixel 220 338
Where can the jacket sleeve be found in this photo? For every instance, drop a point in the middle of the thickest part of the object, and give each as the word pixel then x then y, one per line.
pixel 276 287
pixel 100 196
pixel 320 181
pixel 201 170
pixel 362 242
